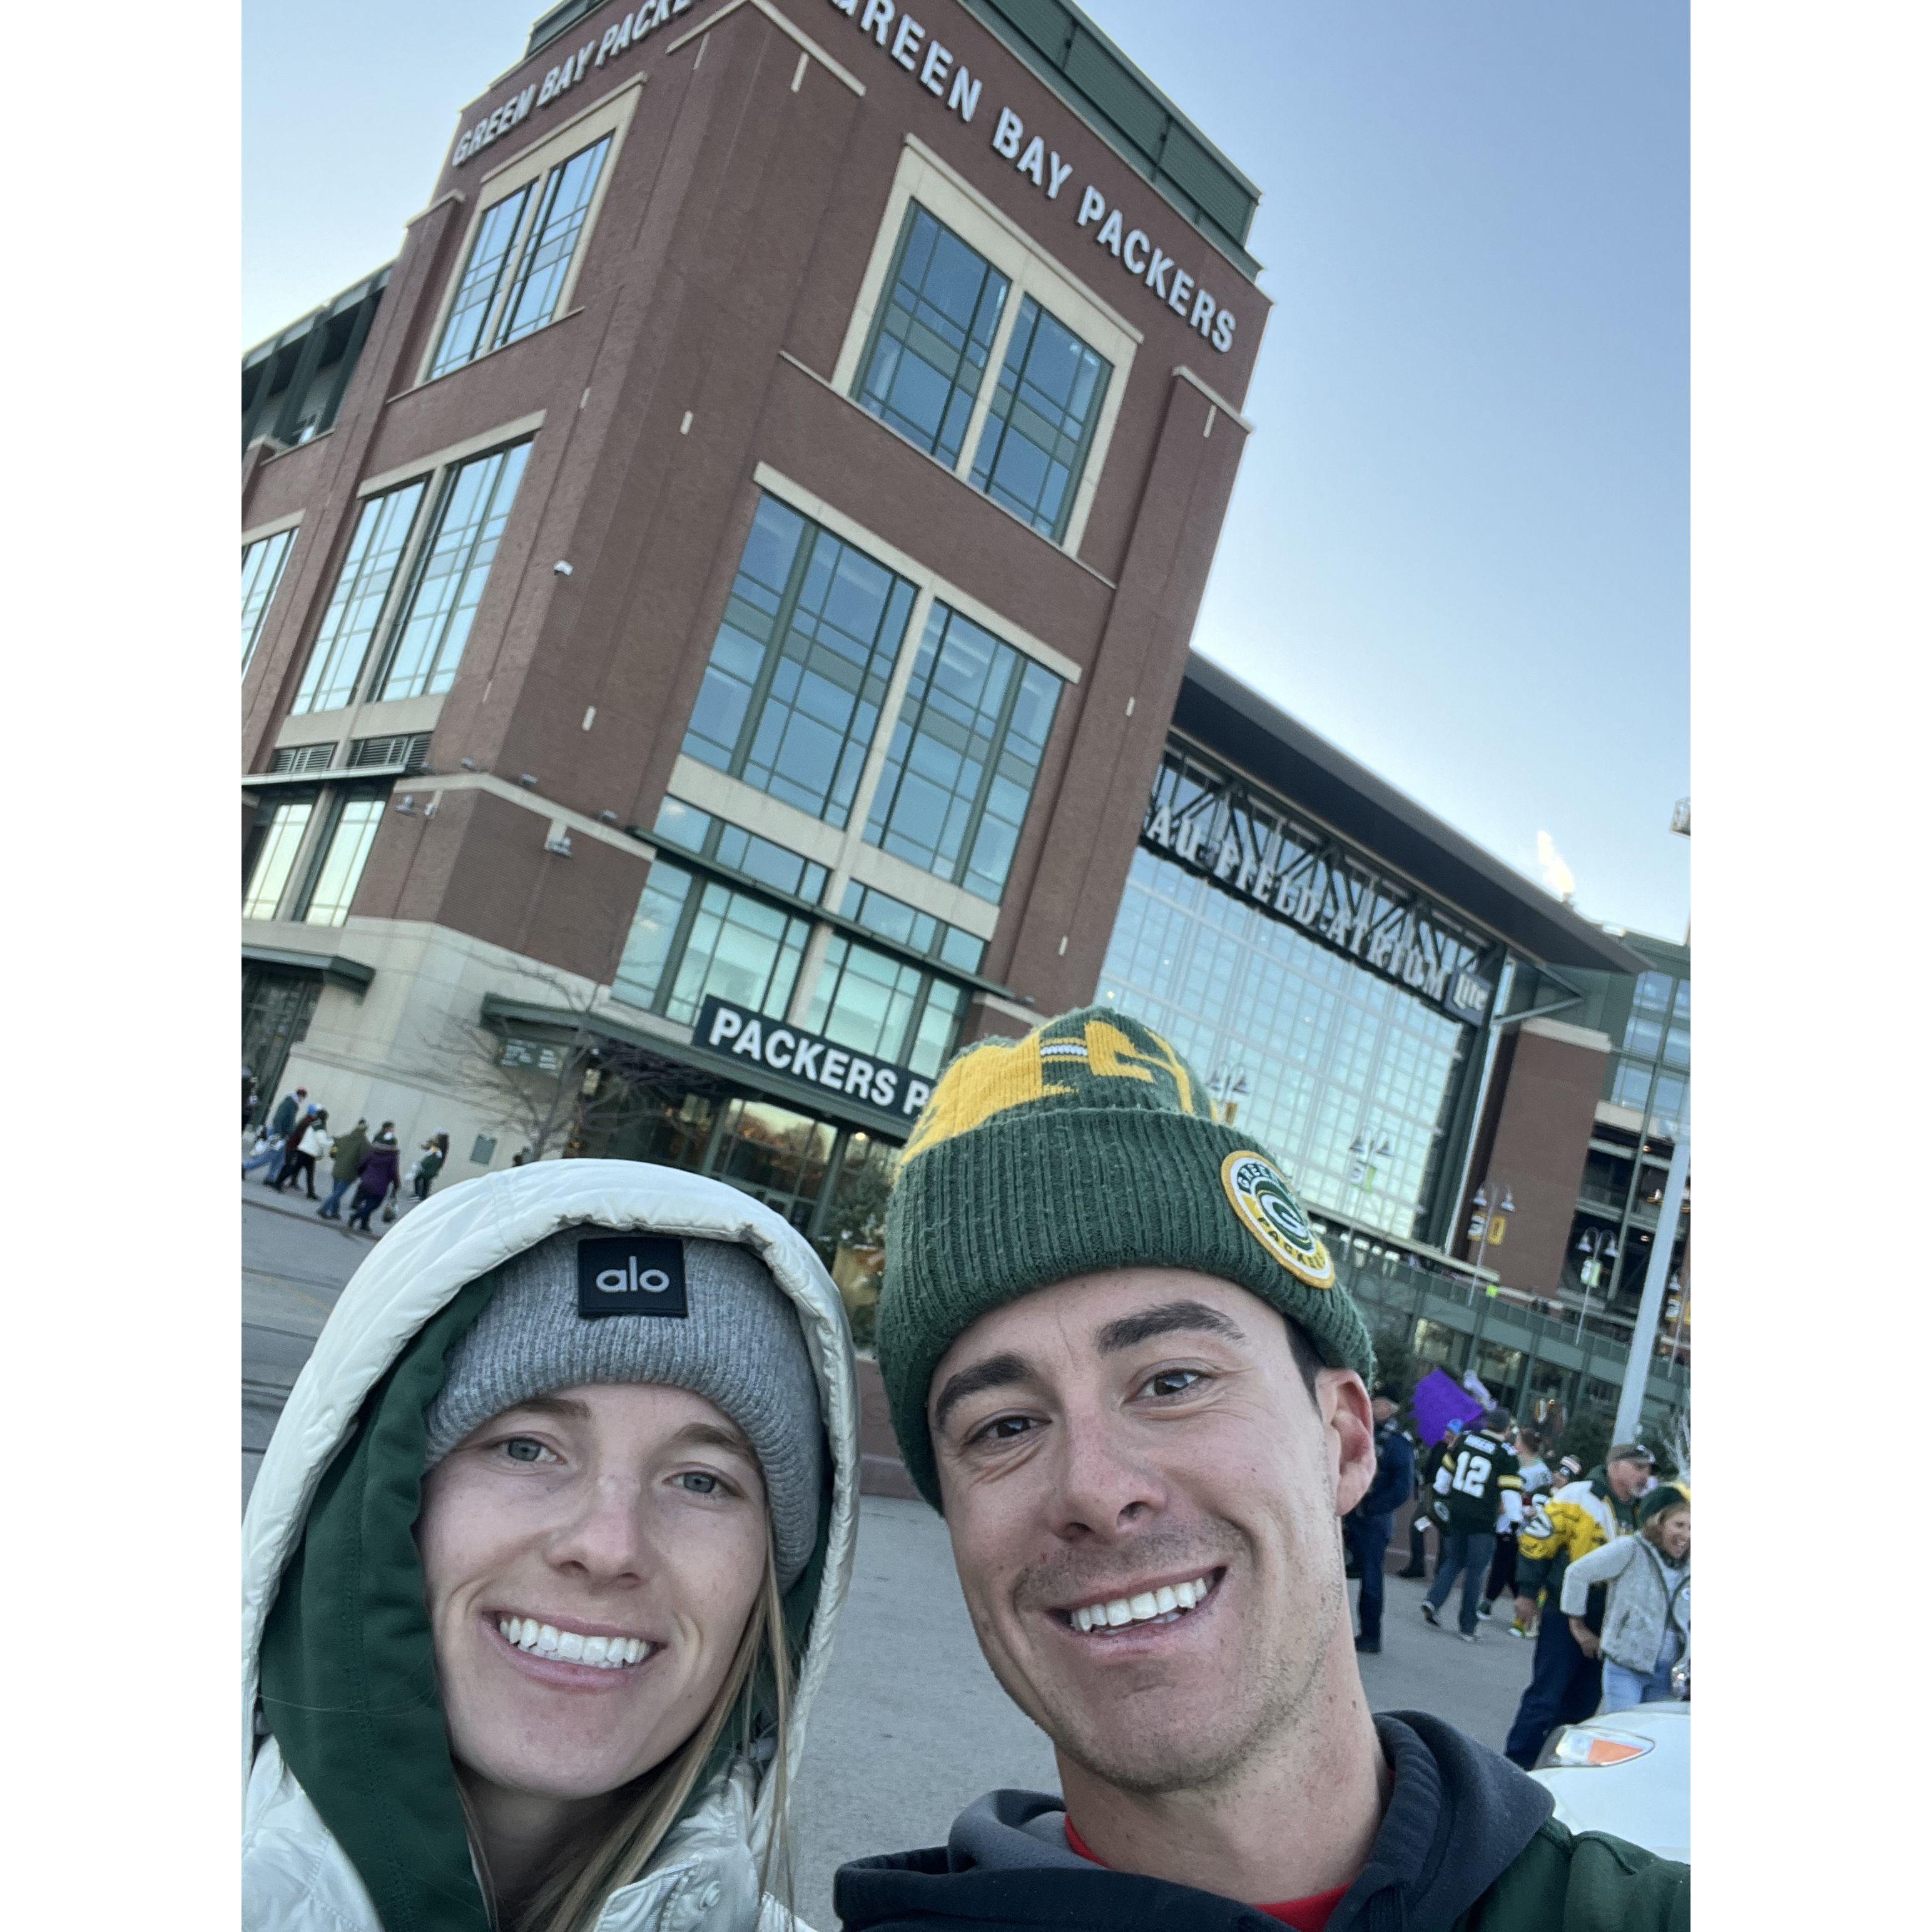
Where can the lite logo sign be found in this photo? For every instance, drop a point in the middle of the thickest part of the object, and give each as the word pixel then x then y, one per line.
pixel 618 38
pixel 805 1057
pixel 902 38
pixel 1310 881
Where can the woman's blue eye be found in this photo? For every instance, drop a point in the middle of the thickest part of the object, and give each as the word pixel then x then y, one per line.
pixel 523 1450
pixel 699 1482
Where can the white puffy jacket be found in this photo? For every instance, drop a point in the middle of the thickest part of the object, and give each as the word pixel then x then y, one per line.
pixel 296 1877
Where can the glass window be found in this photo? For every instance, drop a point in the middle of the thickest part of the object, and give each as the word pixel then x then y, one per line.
pixel 1643 1034
pixel 1666 1105
pixel 771 865
pixel 1677 1045
pixel 1630 1085
pixel 341 869
pixel 926 362
pixel 1683 1006
pixel 450 573
pixel 261 572
pixel 1653 992
pixel 275 859
pixel 341 646
pixel 964 753
pixel 678 823
pixel 1041 424
pixel 515 276
pixel 918 931
pixel 560 224
pixel 476 293
pixel 885 1008
pixel 690 940
pixel 798 672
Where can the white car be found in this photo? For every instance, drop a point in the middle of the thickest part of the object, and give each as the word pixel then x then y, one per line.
pixel 1627 1773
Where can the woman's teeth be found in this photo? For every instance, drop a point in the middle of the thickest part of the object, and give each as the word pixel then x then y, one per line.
pixel 1161 1606
pixel 604 1653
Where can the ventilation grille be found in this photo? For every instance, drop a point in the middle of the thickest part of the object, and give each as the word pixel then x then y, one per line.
pixel 305 757
pixel 411 752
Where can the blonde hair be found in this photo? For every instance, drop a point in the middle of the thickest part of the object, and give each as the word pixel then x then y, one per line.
pixel 616 1848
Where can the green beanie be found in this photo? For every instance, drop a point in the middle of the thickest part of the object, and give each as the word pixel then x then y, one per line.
pixel 1088 1144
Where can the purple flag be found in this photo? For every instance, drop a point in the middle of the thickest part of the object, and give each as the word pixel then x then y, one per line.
pixel 1438 1401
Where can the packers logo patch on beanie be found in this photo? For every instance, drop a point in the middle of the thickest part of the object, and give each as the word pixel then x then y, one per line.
pixel 1087 1144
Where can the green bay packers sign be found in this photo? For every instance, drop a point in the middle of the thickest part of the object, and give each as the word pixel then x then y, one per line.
pixel 1270 1213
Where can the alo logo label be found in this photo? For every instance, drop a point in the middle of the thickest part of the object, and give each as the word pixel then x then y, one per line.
pixel 630 1274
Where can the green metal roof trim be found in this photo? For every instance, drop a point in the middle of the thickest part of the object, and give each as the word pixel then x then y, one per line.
pixel 332 968
pixel 1096 79
pixel 368 285
pixel 1109 93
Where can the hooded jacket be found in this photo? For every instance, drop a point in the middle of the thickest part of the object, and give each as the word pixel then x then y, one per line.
pixel 332 1593
pixel 376 1171
pixel 1467 1844
pixel 1644 1603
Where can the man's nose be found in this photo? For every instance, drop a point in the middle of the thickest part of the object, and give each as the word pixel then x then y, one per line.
pixel 1106 1485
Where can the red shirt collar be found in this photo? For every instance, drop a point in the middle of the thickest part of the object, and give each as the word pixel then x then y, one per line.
pixel 1306 1915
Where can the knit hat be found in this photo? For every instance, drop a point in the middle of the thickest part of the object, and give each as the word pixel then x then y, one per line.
pixel 723 1329
pixel 1087 1144
pixel 1665 1496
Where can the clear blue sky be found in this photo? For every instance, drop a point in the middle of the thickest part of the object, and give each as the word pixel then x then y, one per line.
pixel 1459 546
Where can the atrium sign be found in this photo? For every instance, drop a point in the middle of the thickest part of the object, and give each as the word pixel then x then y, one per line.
pixel 740 1033
pixel 1313 884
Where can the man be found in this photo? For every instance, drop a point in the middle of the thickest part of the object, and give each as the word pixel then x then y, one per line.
pixel 349 1149
pixel 1536 1485
pixel 1371 1522
pixel 288 1110
pixel 1481 1487
pixel 1565 1685
pixel 1431 1511
pixel 1118 1359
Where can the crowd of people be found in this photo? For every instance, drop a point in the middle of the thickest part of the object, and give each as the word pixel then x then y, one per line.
pixel 1596 1565
pixel 295 1138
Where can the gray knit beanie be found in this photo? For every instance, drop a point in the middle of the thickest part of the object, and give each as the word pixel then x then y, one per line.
pixel 717 1325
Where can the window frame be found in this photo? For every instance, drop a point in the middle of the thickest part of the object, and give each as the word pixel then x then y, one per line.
pixel 953 202
pixel 610 117
pixel 284 534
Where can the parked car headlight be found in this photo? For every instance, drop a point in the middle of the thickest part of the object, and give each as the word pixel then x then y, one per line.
pixel 1573 1746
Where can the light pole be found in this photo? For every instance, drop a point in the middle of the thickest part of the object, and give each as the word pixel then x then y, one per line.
pixel 1600 1245
pixel 1642 1342
pixel 1227 1085
pixel 1360 1173
pixel 1483 1224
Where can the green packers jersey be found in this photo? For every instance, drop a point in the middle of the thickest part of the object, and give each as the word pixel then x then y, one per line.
pixel 1482 1468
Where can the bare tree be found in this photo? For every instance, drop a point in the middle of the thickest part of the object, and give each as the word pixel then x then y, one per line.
pixel 563 1085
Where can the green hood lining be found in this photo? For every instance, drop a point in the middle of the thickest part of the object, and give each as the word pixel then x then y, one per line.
pixel 348 1667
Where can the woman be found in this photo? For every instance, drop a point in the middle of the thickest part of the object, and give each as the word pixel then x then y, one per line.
pixel 1647 1614
pixel 435 1152
pixel 541 1564
pixel 375 1176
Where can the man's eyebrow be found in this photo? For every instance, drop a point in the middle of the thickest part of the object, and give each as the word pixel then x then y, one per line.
pixel 1170 1317
pixel 995 1371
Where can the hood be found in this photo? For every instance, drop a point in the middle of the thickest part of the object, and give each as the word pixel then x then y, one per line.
pixel 1458 1817
pixel 387 1337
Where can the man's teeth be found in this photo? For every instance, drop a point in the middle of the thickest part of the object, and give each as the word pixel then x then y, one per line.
pixel 1147 1607
pixel 607 1653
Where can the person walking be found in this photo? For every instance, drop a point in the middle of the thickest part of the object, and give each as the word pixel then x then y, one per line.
pixel 1564 1684
pixel 1429 1508
pixel 1118 1360
pixel 1370 1524
pixel 309 1139
pixel 1646 1625
pixel 375 1175
pixel 281 1123
pixel 435 1152
pixel 1535 1474
pixel 249 1098
pixel 1482 1485
pixel 344 1162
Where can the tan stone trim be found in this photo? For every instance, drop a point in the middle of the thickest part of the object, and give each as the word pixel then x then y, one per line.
pixel 454 452
pixel 1569 1035
pixel 835 520
pixel 1220 402
pixel 525 799
pixel 261 532
pixel 784 27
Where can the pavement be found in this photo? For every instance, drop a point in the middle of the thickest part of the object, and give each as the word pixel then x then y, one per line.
pixel 910 1726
